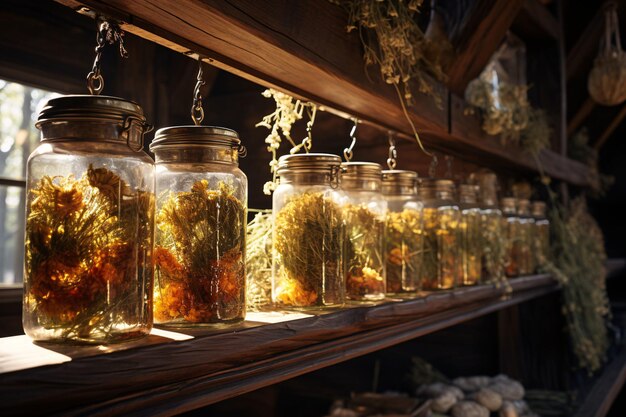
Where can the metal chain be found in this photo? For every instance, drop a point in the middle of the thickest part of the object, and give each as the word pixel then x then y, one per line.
pixel 197 112
pixel 108 33
pixel 307 142
pixel 449 160
pixel 347 152
pixel 393 154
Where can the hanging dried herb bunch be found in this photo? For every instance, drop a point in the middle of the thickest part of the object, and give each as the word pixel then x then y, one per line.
pixel 309 235
pixel 259 260
pixel 394 42
pixel 578 259
pixel 88 255
pixel 364 279
pixel 199 256
pixel 288 111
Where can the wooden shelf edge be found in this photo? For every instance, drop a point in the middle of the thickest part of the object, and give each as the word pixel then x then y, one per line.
pixel 240 38
pixel 168 377
pixel 605 390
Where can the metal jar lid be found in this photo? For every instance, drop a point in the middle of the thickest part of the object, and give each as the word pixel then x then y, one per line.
pixel 188 136
pixel 468 193
pixel 397 181
pixel 523 207
pixel 538 209
pixel 86 107
pixel 308 163
pixel 508 205
pixel 361 171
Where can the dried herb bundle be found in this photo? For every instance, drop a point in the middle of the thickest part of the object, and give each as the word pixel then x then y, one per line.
pixel 578 259
pixel 365 230
pixel 504 107
pixel 309 237
pixel 259 260
pixel 536 136
pixel 88 256
pixel 394 42
pixel 199 256
pixel 404 250
pixel 288 111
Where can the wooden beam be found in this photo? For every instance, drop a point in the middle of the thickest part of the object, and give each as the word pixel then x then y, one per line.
pixel 483 30
pixel 610 128
pixel 581 115
pixel 534 21
pixel 582 53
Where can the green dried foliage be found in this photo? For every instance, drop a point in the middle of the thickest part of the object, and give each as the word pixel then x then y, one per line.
pixel 424 373
pixel 309 235
pixel 536 136
pixel 394 42
pixel 579 149
pixel 259 260
pixel 578 259
pixel 494 250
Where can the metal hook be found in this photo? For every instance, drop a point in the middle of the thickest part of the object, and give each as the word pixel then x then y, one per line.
pixel 393 154
pixel 197 112
pixel 432 170
pixel 449 160
pixel 347 152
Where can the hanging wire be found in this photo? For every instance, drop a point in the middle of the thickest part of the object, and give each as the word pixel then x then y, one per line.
pixel 347 152
pixel 108 33
pixel 197 112
pixel 393 154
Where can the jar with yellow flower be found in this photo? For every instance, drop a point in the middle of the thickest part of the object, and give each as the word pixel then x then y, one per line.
pixel 364 213
pixel 404 232
pixel 199 253
pixel 471 234
pixel 527 237
pixel 89 223
pixel 541 233
pixel 514 241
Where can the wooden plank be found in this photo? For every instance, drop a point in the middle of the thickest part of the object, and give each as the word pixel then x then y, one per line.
pixel 606 389
pixel 534 21
pixel 483 30
pixel 606 134
pixel 166 377
pixel 276 43
pixel 581 115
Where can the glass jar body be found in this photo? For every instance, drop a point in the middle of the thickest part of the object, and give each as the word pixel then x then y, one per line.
pixel 472 245
pixel 201 219
pixel 443 267
pixel 494 250
pixel 89 240
pixel 542 242
pixel 308 268
pixel 364 213
pixel 404 244
pixel 514 245
pixel 527 237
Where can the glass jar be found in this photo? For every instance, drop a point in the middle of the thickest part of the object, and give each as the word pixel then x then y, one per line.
pixel 404 232
pixel 364 212
pixel 541 233
pixel 513 237
pixel 443 267
pixel 201 222
pixel 308 268
pixel 89 223
pixel 494 246
pixel 471 234
pixel 527 236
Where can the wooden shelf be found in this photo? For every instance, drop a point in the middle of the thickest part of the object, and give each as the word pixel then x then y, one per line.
pixel 161 375
pixel 605 390
pixel 276 44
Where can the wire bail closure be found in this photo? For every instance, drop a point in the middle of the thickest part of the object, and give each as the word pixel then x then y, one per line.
pixel 108 33
pixel 393 154
pixel 347 152
pixel 145 128
pixel 197 112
